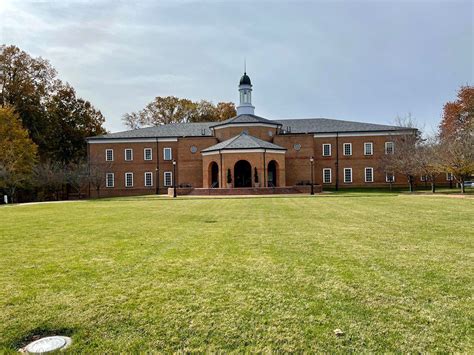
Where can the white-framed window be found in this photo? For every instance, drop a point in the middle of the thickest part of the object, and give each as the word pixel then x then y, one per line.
pixel 389 177
pixel 148 179
pixel 109 180
pixel 347 150
pixel 128 154
pixel 147 154
pixel 369 174
pixel 368 148
pixel 168 178
pixel 327 178
pixel 128 179
pixel 109 154
pixel 347 175
pixel 449 177
pixel 167 154
pixel 389 147
pixel 326 150
pixel 423 178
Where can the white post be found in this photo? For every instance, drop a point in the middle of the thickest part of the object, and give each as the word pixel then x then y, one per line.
pixel 5 199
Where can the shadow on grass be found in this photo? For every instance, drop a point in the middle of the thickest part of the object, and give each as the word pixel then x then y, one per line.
pixel 37 333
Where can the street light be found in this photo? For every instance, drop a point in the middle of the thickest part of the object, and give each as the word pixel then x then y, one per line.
pixel 312 179
pixel 174 178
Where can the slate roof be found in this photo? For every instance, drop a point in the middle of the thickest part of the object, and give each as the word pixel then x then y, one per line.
pixel 243 141
pixel 304 125
pixel 240 119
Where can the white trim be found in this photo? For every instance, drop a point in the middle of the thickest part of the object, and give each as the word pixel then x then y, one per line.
pixel 361 134
pixel 330 175
pixel 372 174
pixel 231 151
pixel 144 154
pixel 126 179
pixel 449 177
pixel 344 171
pixel 107 150
pixel 386 177
pixel 171 178
pixel 144 181
pixel 330 150
pixel 344 149
pixel 107 180
pixel 164 153
pixel 393 147
pixel 133 140
pixel 246 125
pixel 125 154
pixel 371 148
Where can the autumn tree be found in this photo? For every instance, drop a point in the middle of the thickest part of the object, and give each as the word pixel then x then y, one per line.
pixel 171 109
pixel 427 160
pixel 17 152
pixel 458 115
pixel 70 121
pixel 57 121
pixel 457 155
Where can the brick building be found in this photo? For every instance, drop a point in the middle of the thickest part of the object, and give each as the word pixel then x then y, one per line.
pixel 282 153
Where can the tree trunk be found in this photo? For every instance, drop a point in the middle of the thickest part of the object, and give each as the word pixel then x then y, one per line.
pixel 462 186
pixel 433 187
pixel 410 182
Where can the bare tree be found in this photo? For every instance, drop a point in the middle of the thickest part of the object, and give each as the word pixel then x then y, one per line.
pixel 457 155
pixel 50 178
pixel 97 175
pixel 428 161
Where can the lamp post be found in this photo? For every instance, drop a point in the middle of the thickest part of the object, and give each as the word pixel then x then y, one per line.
pixel 174 178
pixel 312 179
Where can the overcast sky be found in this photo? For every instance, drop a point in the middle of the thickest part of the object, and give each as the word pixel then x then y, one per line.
pixel 355 60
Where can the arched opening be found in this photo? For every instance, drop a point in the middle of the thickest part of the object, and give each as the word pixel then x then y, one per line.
pixel 272 174
pixel 214 175
pixel 242 174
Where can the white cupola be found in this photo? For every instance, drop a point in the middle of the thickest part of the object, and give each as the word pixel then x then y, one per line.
pixel 245 90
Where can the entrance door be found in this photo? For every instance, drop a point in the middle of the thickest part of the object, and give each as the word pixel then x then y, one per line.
pixel 272 174
pixel 243 174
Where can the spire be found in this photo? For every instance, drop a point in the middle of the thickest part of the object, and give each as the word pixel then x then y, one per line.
pixel 245 90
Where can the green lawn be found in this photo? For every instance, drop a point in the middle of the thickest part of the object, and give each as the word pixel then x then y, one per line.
pixel 393 272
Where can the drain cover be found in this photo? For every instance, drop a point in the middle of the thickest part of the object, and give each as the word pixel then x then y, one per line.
pixel 48 344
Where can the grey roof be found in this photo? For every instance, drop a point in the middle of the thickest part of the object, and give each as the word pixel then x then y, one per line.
pixel 169 130
pixel 328 125
pixel 243 141
pixel 303 125
pixel 246 119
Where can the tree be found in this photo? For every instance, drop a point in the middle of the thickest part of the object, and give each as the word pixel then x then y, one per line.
pixel 457 155
pixel 427 158
pixel 97 175
pixel 17 152
pixel 70 121
pixel 459 114
pixel 403 159
pixel 50 178
pixel 171 109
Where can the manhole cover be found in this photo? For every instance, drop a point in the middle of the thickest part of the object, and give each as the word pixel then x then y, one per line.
pixel 48 344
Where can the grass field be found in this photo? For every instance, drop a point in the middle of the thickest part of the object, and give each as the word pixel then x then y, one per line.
pixel 393 272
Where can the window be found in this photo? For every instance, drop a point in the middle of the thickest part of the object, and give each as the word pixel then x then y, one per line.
pixel 389 147
pixel 168 178
pixel 128 154
pixel 423 178
pixel 109 154
pixel 347 175
pixel 449 177
pixel 369 174
pixel 389 177
pixel 347 148
pixel 368 148
pixel 167 154
pixel 148 179
pixel 109 180
pixel 147 154
pixel 327 175
pixel 326 150
pixel 128 179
